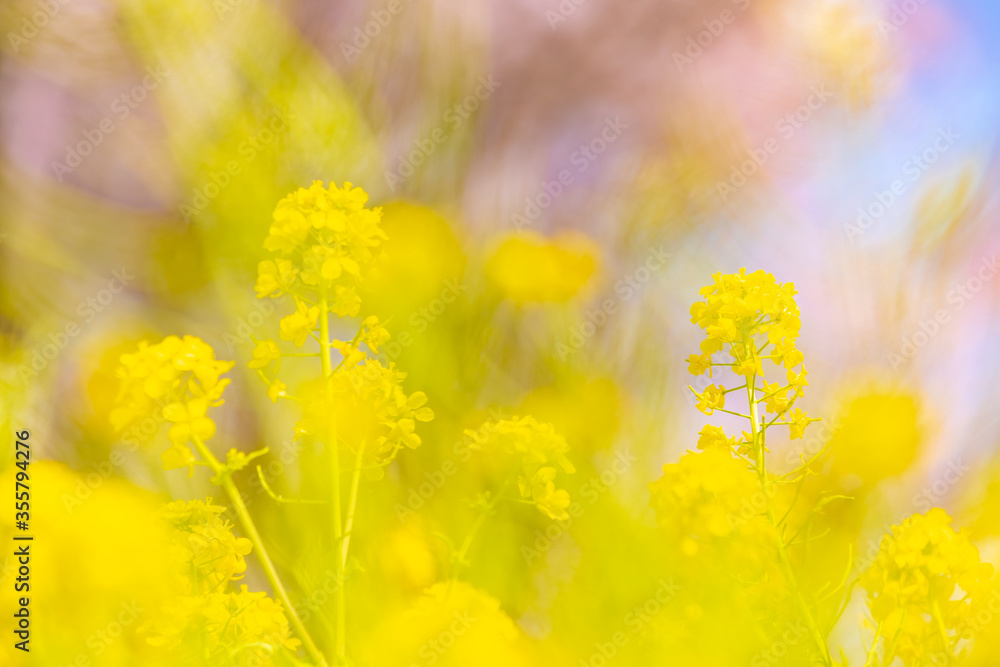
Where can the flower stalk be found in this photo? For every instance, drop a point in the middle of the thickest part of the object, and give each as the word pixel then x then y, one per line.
pixel 225 478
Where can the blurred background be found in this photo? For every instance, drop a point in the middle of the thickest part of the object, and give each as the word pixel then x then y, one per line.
pixel 558 179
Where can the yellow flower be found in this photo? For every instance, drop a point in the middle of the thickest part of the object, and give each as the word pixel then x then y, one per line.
pixel 327 242
pixel 528 268
pixel 106 560
pixel 749 367
pixel 339 214
pixel 924 583
pixel 877 434
pixel 297 326
pixel 274 278
pixel 798 380
pixel 350 353
pixel 206 623
pixel 777 398
pixel 327 232
pixel 367 408
pixel 798 421
pixel 204 545
pixel 539 453
pixel 711 503
pixel 178 456
pixel 713 398
pixel 785 353
pixel 713 436
pixel 276 390
pixel 699 363
pixel 184 377
pixel 346 302
pixel 189 420
pixel 542 490
pixel 474 625
pixel 744 314
pixel 374 334
pixel 264 353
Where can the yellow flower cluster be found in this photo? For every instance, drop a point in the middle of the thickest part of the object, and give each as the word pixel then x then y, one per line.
pixel 528 268
pixel 540 452
pixel 743 315
pixel 106 565
pixel 205 623
pixel 706 495
pixel 179 375
pixel 451 625
pixel 204 545
pixel 325 239
pixel 714 510
pixel 365 407
pixel 923 585
pixel 372 334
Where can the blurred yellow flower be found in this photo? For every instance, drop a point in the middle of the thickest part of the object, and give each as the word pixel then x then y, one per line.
pixel 264 353
pixel 422 265
pixel 121 568
pixel 922 586
pixel 181 375
pixel 451 625
pixel 367 409
pixel 528 268
pixel 205 624
pixel 540 453
pixel 877 434
pixel 297 326
pixel 713 436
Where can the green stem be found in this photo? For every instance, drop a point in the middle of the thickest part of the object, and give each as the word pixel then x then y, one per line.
pixel 938 620
pixel 352 502
pixel 871 653
pixel 459 558
pixel 786 565
pixel 340 628
pixel 246 521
